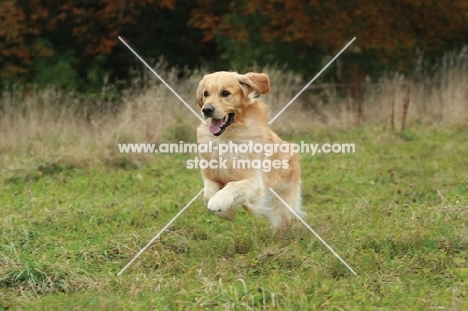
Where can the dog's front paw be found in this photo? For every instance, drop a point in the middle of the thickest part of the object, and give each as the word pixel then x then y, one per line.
pixel 206 199
pixel 220 203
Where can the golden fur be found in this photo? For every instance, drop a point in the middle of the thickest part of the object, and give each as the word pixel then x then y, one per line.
pixel 225 188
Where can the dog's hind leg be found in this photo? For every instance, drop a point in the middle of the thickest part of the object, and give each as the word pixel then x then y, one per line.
pixel 280 215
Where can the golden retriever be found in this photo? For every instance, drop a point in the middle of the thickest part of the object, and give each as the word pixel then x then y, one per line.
pixel 235 115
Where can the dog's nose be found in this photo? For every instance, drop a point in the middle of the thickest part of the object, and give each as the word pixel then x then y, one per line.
pixel 208 111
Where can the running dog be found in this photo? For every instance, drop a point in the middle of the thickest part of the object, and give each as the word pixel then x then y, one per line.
pixel 229 102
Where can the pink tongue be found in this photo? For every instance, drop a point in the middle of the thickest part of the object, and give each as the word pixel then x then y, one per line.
pixel 215 125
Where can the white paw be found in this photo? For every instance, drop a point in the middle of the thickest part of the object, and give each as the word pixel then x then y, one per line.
pixel 220 202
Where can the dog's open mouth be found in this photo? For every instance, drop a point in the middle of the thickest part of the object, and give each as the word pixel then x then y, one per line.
pixel 217 126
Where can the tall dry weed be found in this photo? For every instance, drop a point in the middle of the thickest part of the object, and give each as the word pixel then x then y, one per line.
pixel 52 126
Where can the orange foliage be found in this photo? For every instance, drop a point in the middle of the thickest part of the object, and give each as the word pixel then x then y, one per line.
pixel 94 23
pixel 389 27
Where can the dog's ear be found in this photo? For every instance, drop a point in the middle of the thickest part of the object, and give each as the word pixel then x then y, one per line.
pixel 260 80
pixel 199 93
pixel 257 82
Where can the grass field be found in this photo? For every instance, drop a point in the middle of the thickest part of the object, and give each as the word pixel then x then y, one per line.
pixel 74 211
pixel 396 211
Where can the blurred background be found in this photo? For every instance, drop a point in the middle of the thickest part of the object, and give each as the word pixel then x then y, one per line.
pixel 74 44
pixel 66 77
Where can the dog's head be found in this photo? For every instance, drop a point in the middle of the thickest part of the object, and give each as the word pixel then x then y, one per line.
pixel 222 95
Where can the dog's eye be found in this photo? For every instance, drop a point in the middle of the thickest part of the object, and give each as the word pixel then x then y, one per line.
pixel 205 93
pixel 225 93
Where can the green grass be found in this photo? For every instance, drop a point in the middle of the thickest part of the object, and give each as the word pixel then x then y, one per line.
pixel 396 211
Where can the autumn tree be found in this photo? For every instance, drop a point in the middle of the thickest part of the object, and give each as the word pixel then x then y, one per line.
pixel 300 32
pixel 19 32
pixel 75 42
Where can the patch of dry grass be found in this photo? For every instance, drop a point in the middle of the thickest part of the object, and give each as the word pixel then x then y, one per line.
pixel 49 126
